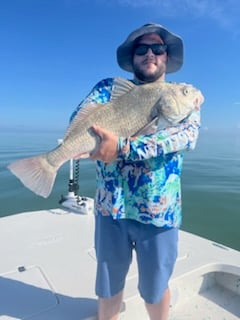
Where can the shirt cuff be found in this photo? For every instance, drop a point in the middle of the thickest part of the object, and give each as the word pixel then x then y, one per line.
pixel 123 148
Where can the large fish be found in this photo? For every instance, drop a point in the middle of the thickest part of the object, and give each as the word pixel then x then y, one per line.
pixel 133 109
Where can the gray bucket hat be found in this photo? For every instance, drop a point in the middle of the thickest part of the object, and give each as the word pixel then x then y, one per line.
pixel 174 47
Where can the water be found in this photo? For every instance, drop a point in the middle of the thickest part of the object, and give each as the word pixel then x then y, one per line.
pixel 210 182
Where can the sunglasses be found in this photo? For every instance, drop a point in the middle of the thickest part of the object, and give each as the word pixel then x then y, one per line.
pixel 157 48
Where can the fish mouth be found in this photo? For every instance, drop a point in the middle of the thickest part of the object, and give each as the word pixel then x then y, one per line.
pixel 199 101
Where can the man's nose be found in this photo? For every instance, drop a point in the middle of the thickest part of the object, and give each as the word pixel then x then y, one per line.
pixel 149 52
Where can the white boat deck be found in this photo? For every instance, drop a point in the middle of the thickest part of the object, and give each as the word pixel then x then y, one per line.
pixel 47 272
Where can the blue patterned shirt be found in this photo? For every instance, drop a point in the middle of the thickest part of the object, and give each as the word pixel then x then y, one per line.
pixel 144 183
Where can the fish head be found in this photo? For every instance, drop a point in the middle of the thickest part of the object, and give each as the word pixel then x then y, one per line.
pixel 177 101
pixel 190 96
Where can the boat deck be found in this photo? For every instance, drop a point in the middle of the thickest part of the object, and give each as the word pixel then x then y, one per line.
pixel 48 263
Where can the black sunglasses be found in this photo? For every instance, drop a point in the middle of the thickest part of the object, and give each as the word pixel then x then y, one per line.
pixel 157 48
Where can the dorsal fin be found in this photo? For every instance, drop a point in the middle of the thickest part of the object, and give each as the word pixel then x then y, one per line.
pixel 120 87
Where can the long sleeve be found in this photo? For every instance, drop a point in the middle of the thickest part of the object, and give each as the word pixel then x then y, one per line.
pixel 173 139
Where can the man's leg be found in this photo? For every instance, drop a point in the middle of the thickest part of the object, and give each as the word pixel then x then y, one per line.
pixel 159 311
pixel 114 255
pixel 156 254
pixel 109 308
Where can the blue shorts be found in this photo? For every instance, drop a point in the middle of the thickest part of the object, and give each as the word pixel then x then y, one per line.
pixel 156 251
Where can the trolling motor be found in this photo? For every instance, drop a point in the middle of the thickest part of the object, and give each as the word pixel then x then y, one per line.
pixel 72 200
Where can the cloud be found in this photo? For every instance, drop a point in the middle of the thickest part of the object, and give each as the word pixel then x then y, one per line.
pixel 224 12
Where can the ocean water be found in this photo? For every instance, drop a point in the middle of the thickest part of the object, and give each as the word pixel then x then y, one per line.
pixel 210 182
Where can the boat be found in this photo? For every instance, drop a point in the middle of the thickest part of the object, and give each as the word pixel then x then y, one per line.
pixel 48 265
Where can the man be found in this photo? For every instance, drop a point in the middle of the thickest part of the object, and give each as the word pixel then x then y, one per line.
pixel 138 198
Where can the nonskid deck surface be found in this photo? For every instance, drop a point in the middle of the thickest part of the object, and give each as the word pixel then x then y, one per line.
pixel 48 264
pixel 211 292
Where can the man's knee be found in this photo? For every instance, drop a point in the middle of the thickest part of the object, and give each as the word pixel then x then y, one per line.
pixel 109 308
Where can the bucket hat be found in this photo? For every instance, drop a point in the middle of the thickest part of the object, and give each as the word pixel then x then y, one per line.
pixel 174 47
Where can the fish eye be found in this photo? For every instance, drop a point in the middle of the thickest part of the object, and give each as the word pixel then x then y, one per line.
pixel 185 91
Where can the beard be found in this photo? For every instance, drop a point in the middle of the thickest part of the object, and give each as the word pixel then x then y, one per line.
pixel 145 76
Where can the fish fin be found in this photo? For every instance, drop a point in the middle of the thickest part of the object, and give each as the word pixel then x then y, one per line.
pixel 82 156
pixel 35 173
pixel 164 123
pixel 150 128
pixel 120 87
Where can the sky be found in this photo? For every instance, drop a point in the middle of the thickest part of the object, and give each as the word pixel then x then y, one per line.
pixel 52 52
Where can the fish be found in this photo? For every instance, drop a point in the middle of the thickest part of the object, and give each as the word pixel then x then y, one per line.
pixel 132 110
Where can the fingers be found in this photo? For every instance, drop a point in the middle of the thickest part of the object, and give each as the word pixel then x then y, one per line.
pixel 107 150
pixel 98 130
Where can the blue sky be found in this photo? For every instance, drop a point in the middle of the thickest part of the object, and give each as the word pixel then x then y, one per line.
pixel 54 51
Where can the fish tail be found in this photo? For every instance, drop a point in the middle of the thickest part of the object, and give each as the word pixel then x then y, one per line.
pixel 36 173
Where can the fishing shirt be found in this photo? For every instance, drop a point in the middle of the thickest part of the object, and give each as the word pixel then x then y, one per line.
pixel 144 184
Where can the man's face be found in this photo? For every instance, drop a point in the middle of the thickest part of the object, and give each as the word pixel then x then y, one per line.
pixel 150 67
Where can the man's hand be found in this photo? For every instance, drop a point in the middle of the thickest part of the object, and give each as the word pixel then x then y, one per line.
pixel 107 150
